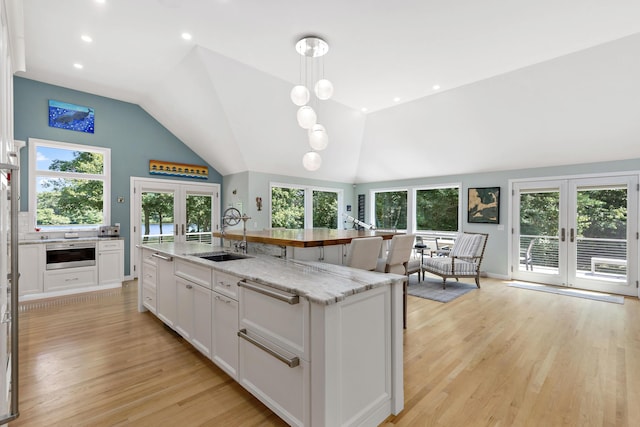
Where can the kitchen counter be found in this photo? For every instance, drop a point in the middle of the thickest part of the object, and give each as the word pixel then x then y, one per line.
pixel 317 343
pixel 68 240
pixel 320 283
pixel 303 238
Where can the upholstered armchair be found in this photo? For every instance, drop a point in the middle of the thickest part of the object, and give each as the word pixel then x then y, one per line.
pixel 463 261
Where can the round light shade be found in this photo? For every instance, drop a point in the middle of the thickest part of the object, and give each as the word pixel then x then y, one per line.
pixel 311 161
pixel 318 138
pixel 299 95
pixel 323 89
pixel 306 117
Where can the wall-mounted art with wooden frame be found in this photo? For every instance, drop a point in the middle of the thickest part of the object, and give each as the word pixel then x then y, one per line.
pixel 484 205
pixel 158 167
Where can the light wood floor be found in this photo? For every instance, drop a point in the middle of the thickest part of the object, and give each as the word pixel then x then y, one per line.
pixel 497 356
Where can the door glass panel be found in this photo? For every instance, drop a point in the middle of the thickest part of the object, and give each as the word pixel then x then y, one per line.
pixel 601 252
pixel 157 217
pixel 539 236
pixel 199 218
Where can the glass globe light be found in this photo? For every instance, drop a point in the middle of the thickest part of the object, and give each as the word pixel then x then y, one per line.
pixel 300 95
pixel 318 138
pixel 323 89
pixel 311 161
pixel 306 117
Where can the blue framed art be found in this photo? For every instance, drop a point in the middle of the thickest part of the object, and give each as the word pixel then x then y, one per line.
pixel 70 116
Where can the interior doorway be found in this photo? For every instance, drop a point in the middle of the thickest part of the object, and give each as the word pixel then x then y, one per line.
pixel 580 232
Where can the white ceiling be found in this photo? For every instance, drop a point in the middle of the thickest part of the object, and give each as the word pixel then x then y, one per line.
pixel 523 83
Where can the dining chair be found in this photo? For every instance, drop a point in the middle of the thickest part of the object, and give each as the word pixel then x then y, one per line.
pixel 398 255
pixel 395 261
pixel 363 253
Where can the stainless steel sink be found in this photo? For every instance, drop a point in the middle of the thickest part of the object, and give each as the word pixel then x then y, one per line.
pixel 221 256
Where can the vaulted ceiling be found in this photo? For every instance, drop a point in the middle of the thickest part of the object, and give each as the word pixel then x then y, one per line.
pixel 521 84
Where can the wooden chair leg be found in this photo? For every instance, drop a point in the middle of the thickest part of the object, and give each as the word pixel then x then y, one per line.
pixel 404 304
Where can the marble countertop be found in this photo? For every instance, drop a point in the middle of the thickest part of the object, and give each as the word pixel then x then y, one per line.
pixel 69 240
pixel 320 283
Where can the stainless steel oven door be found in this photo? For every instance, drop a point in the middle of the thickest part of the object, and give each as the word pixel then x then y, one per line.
pixel 69 255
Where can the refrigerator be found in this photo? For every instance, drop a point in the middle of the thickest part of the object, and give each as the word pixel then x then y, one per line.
pixel 8 292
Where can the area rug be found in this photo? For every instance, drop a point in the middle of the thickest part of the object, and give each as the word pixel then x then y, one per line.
pixel 432 289
pixel 617 299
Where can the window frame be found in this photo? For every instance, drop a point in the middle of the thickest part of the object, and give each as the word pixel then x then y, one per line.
pixel 414 215
pixel 308 200
pixel 372 205
pixel 34 173
pixel 412 192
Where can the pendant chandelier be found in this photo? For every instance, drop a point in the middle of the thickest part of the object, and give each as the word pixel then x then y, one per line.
pixel 312 49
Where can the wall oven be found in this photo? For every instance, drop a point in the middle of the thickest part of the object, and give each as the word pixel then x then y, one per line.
pixel 69 255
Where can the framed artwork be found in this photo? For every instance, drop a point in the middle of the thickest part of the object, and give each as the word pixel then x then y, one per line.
pixel 158 167
pixel 484 205
pixel 71 117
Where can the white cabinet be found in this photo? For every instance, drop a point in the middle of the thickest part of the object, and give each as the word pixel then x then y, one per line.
pixel 274 361
pixel 68 278
pixel 193 311
pixel 31 268
pixel 110 262
pixel 165 289
pixel 148 277
pixel 225 334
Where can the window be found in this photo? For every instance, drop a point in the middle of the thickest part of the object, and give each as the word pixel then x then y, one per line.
pixel 304 207
pixel 390 209
pixel 437 209
pixel 69 185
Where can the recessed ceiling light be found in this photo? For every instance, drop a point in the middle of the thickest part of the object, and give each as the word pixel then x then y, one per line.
pixel 436 87
pixel 101 1
pixel 78 66
pixel 186 36
pixel 86 38
pixel 396 99
pixel 364 109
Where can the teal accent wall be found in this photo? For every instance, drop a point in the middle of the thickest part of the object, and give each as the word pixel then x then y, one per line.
pixel 133 136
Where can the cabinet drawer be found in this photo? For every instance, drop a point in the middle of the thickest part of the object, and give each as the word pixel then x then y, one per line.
pixel 149 274
pixel 266 311
pixel 113 245
pixel 284 389
pixel 149 297
pixel 226 284
pixel 195 273
pixel 147 257
pixel 69 278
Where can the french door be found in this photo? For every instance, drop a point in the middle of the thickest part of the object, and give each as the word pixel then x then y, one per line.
pixel 173 211
pixel 580 233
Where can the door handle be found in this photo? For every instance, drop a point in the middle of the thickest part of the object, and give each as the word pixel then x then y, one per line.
pixel 571 236
pixel 183 229
pixel 562 235
pixel 175 229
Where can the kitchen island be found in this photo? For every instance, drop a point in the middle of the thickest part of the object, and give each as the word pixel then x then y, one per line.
pixel 319 344
pixel 327 245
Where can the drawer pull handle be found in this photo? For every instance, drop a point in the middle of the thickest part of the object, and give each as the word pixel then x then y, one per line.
pixel 189 287
pixel 166 258
pixel 292 363
pixel 291 299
